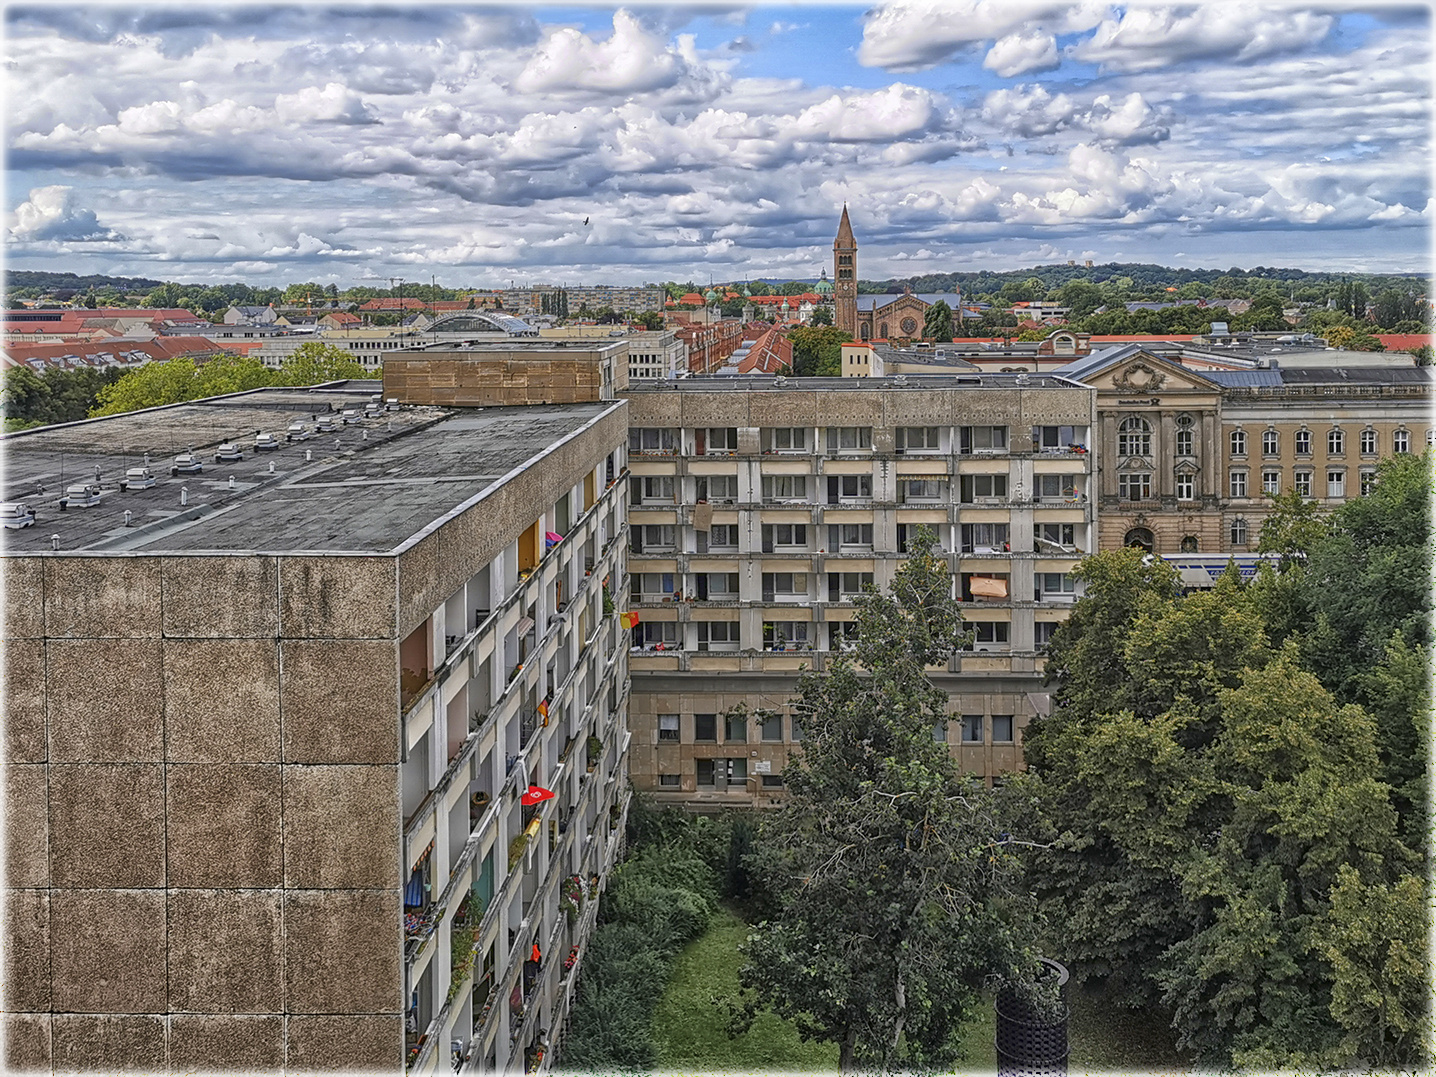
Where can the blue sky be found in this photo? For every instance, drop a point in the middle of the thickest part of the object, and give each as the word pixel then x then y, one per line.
pixel 278 143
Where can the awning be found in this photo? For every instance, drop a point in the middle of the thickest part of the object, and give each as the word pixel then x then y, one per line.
pixel 988 586
pixel 1197 577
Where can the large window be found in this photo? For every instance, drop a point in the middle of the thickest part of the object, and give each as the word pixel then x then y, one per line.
pixel 1046 536
pixel 718 440
pixel 1368 442
pixel 718 636
pixel 1303 443
pixel 1367 478
pixel 650 489
pixel 1301 483
pixel 784 537
pixel 785 487
pixel 651 538
pixel 1335 442
pixel 717 487
pixel 972 729
pixel 1401 441
pixel 992 487
pixel 850 536
pixel 1134 485
pixel 1054 487
pixel 786 439
pixel 1335 483
pixel 656 635
pixel 982 439
pixel 771 727
pixel 918 439
pixel 1053 438
pixel 1269 443
pixel 844 586
pixel 1185 435
pixel 922 491
pixel 1054 585
pixel 1185 486
pixel 723 537
pixel 668 727
pixel 1239 532
pixel 704 768
pixel 651 586
pixel 984 538
pixel 1134 437
pixel 652 440
pixel 850 438
pixel 1002 729
pixel 784 586
pixel 1237 484
pixel 735 729
pixel 705 728
pixel 1239 443
pixel 1042 632
pixel 786 635
pixel 849 488
pixel 1271 482
pixel 987 635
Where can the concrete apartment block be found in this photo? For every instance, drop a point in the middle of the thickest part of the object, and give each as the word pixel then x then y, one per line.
pixel 760 507
pixel 508 373
pixel 268 726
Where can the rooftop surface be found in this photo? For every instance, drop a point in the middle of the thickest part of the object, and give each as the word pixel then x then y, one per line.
pixel 368 487
pixel 913 382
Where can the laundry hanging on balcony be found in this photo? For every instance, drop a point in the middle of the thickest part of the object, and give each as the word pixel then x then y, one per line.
pixel 551 538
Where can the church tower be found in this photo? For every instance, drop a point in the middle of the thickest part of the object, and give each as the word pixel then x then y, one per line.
pixel 845 277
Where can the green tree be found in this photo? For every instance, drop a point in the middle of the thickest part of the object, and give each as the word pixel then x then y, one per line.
pixel 817 352
pixel 1080 297
pixel 314 362
pixel 937 322
pixel 1294 525
pixel 650 320
pixel 822 315
pixel 890 870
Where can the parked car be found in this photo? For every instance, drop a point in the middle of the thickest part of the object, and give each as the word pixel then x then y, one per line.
pixel 227 452
pixel 187 463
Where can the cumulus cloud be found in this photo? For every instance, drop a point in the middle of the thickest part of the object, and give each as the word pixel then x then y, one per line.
pixel 1147 38
pixel 630 60
pixel 335 103
pixel 1028 111
pixel 50 213
pixel 910 35
pixel 1019 53
pixel 896 111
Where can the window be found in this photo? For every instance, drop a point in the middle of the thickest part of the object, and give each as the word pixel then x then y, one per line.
pixel 1189 544
pixel 1401 441
pixel 651 586
pixel 984 538
pixel 705 727
pixel 1052 487
pixel 1050 584
pixel 1335 442
pixel 986 635
pixel 1002 729
pixel 668 727
pixel 1134 485
pixel 704 768
pixel 1269 443
pixel 720 439
pixel 972 729
pixel 1186 488
pixel 723 537
pixel 842 586
pixel 982 439
pixel 1063 535
pixel 796 729
pixel 1368 442
pixel 850 438
pixel 843 635
pixel 1301 483
pixel 737 770
pixel 1239 532
pixel 784 537
pixel 785 635
pixel 772 781
pixel 647 538
pixel 1134 437
pixel 1336 484
pixel 849 487
pixel 651 488
pixel 1271 482
pixel 939 732
pixel 1303 443
pixel 652 440
pixel 716 487
pixel 1367 478
pixel 850 536
pixel 785 487
pixel 656 635
pixel 972 487
pixel 1053 438
pixel 786 439
pixel 718 636
pixel 924 490
pixel 772 727
pixel 917 439
pixel 1239 443
pixel 1042 633
pixel 784 586
pixel 1185 435
pixel 735 729
pixel 1237 483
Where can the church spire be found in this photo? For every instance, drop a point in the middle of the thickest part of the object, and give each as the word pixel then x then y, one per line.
pixel 845 277
pixel 845 231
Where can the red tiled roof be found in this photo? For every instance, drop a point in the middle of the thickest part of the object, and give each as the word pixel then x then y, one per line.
pixel 124 352
pixel 1399 342
pixel 395 303
pixel 692 298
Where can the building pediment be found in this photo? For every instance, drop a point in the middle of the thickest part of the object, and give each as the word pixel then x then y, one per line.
pixel 1135 463
pixel 1144 374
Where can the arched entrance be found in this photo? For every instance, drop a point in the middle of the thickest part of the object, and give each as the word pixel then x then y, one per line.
pixel 1139 537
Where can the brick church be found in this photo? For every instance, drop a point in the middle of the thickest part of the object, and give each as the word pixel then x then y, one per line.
pixel 875 317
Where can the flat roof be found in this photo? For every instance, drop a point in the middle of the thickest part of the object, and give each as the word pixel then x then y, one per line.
pixel 977 379
pixel 355 495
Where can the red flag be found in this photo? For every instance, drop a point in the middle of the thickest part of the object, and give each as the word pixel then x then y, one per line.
pixel 535 794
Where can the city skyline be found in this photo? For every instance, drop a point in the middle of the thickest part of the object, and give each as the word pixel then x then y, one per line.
pixel 482 145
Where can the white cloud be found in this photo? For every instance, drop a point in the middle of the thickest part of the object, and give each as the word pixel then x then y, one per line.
pixel 1128 122
pixel 909 35
pixel 50 213
pixel 630 60
pixel 1019 53
pixel 1148 38
pixel 894 112
pixel 1028 110
pixel 335 103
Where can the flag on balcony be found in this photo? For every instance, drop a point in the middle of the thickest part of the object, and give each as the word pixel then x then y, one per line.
pixel 552 538
pixel 535 794
pixel 543 710
pixel 628 620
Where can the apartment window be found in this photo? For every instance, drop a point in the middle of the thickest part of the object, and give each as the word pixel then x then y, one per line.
pixel 1051 487
pixel 1237 484
pixel 649 489
pixel 786 439
pixel 1185 435
pixel 1134 485
pixel 784 586
pixel 669 781
pixel 649 439
pixel 1335 442
pixel 1134 437
pixel 718 636
pixel 648 538
pixel 735 729
pixel 784 537
pixel 974 487
pixel 1002 729
pixel 921 490
pixel 1239 532
pixel 1301 483
pixel 1186 488
pixel 651 586
pixel 1336 484
pixel 785 635
pixel 1042 632
pixel 771 727
pixel 1269 443
pixel 986 635
pixel 704 767
pixel 1053 438
pixel 785 487
pixel 656 635
pixel 972 729
pixel 720 439
pixel 982 439
pixel 1239 443
pixel 795 729
pixel 850 536
pixel 1049 584
pixel 1303 443
pixel 1368 442
pixel 723 536
pixel 1271 482
pixel 1063 536
pixel 984 538
pixel 737 770
pixel 1401 441
pixel 1367 479
pixel 716 487
pixel 668 727
pixel 918 439
pixel 844 636
pixel 717 585
pixel 849 488
pixel 843 586
pixel 705 727
pixel 850 438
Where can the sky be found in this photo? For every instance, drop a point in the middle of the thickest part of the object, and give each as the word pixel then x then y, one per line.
pixel 484 146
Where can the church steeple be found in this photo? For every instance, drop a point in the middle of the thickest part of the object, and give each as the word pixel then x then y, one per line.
pixel 845 277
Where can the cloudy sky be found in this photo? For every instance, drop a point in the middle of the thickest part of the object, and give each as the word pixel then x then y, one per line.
pixel 280 143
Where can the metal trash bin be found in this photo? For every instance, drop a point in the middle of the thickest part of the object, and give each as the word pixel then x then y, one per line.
pixel 1029 1043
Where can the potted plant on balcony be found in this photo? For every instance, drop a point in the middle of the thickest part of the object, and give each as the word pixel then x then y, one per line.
pixel 594 748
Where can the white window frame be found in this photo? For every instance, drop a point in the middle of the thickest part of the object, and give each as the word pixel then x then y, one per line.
pixel 1236 484
pixel 1335 482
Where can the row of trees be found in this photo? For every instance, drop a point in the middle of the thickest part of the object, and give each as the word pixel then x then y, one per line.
pixel 51 396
